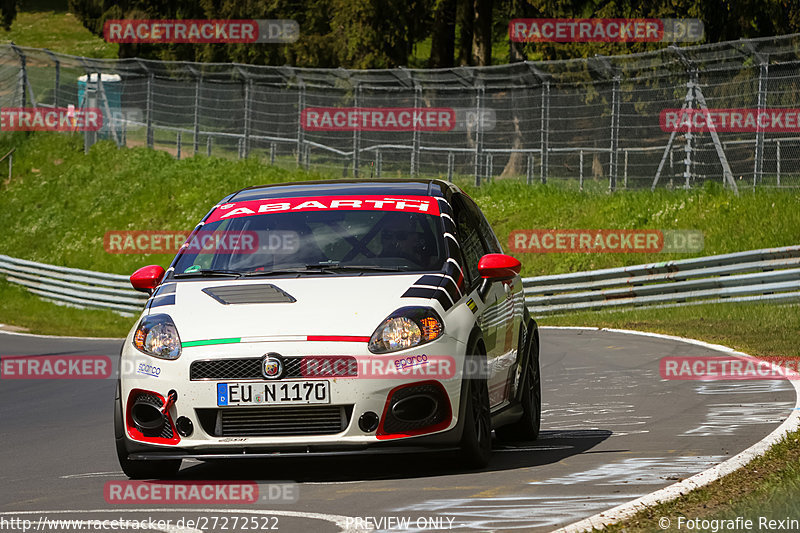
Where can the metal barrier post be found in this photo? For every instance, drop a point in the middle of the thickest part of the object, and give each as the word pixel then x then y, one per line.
pixel 301 104
pixel 758 162
pixel 479 94
pixel 415 139
pixel 613 160
pixel 356 132
pixel 545 131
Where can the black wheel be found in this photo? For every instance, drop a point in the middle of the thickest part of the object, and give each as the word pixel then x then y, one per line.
pixel 527 427
pixel 476 440
pixel 139 469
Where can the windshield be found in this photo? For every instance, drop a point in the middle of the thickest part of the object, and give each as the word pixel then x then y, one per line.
pixel 314 241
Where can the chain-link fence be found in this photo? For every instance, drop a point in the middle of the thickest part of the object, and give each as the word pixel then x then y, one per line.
pixel 584 120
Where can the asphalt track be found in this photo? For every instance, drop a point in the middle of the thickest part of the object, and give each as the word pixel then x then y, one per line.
pixel 613 430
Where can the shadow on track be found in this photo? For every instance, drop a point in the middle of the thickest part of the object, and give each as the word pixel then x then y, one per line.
pixel 551 447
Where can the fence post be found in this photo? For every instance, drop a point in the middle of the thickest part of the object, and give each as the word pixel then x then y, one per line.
pixel 356 132
pixel 272 153
pixel 416 133
pixel 23 74
pixel 208 146
pixel 545 131
pixel 178 146
pixel 758 163
pixel 58 75
pixel 489 163
pixel 778 161
pixel 580 169
pixel 248 111
pixel 626 169
pixel 529 170
pixel 479 94
pixel 89 100
pixel 689 145
pixel 301 104
pixel 198 81
pixel 614 159
pixel 149 109
pixel 451 159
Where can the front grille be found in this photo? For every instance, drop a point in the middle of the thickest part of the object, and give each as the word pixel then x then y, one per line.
pixel 276 421
pixel 294 367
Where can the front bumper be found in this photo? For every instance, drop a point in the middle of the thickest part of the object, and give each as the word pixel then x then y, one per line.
pixel 197 401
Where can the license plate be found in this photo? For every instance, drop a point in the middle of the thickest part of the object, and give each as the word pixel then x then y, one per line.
pixel 277 393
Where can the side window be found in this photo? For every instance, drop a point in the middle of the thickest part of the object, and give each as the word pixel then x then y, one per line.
pixel 490 241
pixel 472 247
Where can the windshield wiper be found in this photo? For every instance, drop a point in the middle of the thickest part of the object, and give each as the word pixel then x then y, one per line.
pixel 358 268
pixel 256 273
pixel 208 273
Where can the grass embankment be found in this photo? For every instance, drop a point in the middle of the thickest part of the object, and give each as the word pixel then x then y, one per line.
pixel 48 24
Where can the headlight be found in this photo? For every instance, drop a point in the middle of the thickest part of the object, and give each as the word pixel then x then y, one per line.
pixel 405 328
pixel 158 336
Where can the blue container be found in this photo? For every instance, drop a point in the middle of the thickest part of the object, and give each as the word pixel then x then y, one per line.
pixel 112 87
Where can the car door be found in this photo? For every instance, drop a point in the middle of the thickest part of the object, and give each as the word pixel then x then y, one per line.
pixel 491 320
pixel 510 305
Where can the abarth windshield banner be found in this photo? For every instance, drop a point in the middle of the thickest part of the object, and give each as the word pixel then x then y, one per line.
pixel 405 204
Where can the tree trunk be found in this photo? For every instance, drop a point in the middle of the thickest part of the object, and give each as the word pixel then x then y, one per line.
pixel 443 38
pixel 465 18
pixel 482 33
pixel 516 161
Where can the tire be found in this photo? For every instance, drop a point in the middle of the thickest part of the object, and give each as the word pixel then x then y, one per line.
pixel 527 427
pixel 476 438
pixel 139 469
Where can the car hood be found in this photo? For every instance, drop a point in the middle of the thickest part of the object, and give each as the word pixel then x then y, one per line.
pixel 331 305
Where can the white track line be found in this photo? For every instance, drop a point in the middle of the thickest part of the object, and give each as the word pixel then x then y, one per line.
pixel 626 510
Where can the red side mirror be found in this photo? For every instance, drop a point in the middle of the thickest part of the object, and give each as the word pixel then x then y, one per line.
pixel 498 267
pixel 146 279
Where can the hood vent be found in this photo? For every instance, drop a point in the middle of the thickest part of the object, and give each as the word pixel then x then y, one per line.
pixel 249 294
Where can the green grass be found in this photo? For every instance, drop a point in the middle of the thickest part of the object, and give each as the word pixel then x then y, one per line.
pixel 47 24
pixel 70 200
pixel 36 315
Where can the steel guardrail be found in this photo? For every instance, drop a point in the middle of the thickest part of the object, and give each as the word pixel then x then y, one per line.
pixel 769 274
pixel 73 286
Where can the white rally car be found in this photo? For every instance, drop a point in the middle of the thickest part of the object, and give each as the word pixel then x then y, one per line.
pixel 329 317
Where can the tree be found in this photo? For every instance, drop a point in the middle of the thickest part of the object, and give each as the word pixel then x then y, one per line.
pixel 8 12
pixel 482 33
pixel 443 34
pixel 333 33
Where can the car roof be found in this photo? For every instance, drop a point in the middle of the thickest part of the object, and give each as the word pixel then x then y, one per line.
pixel 411 187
